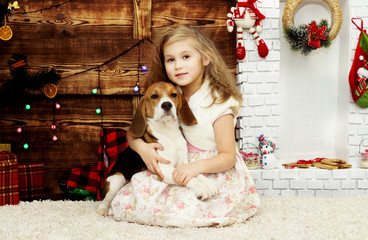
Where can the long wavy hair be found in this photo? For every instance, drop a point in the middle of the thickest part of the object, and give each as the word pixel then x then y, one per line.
pixel 219 75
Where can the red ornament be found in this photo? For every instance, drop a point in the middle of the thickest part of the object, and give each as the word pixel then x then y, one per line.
pixel 315 34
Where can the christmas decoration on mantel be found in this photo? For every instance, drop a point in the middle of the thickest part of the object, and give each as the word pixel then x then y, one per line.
pixel 309 37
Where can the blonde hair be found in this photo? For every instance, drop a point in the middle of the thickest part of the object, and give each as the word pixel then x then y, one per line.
pixel 221 79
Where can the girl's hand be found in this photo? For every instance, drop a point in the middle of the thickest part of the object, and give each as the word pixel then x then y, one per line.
pixel 151 158
pixel 182 174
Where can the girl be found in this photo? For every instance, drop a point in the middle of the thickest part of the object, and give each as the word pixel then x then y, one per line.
pixel 189 60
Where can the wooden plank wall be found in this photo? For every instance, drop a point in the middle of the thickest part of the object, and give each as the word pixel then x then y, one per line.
pixel 78 37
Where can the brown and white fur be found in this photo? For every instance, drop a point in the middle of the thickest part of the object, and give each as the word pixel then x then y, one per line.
pixel 157 120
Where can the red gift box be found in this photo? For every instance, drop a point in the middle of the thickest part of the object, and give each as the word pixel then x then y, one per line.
pixel 9 188
pixel 6 157
pixel 31 181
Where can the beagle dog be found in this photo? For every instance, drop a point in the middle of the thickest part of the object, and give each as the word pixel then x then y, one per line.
pixel 157 119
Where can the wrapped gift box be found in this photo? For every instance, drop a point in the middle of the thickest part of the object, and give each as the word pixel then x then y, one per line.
pixel 9 188
pixel 6 157
pixel 31 181
pixel 5 147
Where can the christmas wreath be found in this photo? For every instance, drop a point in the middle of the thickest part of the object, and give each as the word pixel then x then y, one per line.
pixel 306 38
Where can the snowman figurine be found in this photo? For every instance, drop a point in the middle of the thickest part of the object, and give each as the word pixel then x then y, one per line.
pixel 268 159
pixel 246 16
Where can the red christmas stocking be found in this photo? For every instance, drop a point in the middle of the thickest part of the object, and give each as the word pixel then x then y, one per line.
pixel 358 73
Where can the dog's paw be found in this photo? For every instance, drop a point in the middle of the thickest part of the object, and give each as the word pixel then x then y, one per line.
pixel 200 189
pixel 103 210
pixel 211 185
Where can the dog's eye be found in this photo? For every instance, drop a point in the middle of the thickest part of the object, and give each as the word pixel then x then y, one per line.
pixel 174 95
pixel 154 96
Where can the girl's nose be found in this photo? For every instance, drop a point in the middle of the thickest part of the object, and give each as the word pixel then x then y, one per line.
pixel 178 65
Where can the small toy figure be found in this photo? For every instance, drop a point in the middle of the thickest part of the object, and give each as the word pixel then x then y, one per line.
pixel 246 16
pixel 363 71
pixel 268 159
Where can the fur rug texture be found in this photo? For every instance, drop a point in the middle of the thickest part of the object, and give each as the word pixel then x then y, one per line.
pixel 279 218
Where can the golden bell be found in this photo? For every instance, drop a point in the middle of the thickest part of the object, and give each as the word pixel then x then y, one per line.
pixel 14 5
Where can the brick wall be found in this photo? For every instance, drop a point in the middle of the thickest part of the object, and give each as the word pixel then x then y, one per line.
pixel 258 80
pixel 313 182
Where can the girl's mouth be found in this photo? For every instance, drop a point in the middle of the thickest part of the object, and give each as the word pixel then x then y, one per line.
pixel 180 74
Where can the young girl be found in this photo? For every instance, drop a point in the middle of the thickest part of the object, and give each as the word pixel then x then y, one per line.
pixel 189 60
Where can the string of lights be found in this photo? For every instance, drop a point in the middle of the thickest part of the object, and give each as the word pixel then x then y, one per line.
pixel 54 6
pixel 56 106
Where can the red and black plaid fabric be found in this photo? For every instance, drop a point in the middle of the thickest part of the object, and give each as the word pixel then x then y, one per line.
pixel 92 178
pixel 113 141
pixel 6 156
pixel 84 178
pixel 31 181
pixel 9 188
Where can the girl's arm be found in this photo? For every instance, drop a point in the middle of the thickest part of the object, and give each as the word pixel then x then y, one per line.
pixel 224 160
pixel 148 153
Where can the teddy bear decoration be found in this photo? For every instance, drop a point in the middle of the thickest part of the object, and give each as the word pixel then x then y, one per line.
pixel 268 160
pixel 246 16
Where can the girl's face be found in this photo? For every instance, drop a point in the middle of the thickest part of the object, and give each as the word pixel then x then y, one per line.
pixel 184 64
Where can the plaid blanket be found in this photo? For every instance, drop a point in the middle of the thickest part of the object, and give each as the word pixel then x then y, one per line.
pixel 92 178
pixel 113 141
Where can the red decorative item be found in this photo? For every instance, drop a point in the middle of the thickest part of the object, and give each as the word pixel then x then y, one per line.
pixel 315 34
pixel 358 74
pixel 9 185
pixel 246 16
pixel 31 181
pixel 21 63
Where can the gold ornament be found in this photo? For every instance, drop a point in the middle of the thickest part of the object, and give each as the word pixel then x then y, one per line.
pixel 5 33
pixel 336 15
pixel 50 90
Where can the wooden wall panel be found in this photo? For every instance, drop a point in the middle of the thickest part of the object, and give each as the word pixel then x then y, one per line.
pixel 75 39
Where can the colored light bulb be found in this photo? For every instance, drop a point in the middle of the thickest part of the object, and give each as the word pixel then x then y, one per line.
pixel 53 127
pixel 144 68
pixel 19 130
pixel 54 138
pixel 136 88
pixel 95 91
pixel 98 110
pixel 27 106
pixel 25 146
pixel 57 106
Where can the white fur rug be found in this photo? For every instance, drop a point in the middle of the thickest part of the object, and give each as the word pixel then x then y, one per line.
pixel 279 218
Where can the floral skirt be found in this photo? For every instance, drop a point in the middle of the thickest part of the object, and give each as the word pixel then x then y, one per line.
pixel 147 200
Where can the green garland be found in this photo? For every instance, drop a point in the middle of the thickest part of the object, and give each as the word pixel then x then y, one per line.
pixel 298 37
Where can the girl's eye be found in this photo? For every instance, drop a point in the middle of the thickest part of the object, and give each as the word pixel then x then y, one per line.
pixel 154 96
pixel 170 60
pixel 186 56
pixel 174 95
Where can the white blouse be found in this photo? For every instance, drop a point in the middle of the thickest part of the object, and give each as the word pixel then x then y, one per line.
pixel 202 135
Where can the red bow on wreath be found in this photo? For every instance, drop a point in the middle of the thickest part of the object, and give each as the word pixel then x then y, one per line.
pixel 315 34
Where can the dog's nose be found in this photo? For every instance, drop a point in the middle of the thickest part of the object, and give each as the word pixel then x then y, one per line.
pixel 166 106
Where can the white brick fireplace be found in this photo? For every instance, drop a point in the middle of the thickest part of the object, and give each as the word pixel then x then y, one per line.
pixel 289 119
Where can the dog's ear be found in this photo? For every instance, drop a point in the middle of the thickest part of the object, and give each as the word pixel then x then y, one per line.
pixel 139 123
pixel 186 115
